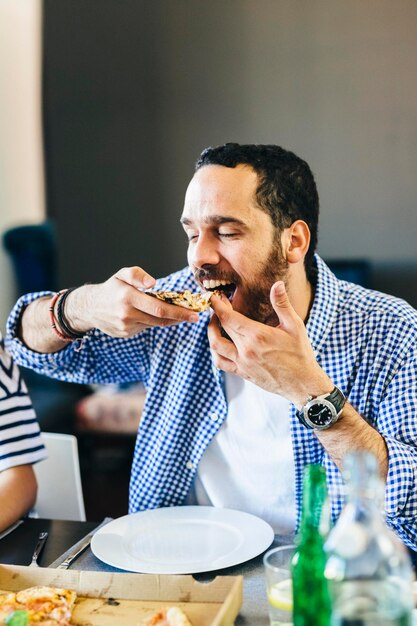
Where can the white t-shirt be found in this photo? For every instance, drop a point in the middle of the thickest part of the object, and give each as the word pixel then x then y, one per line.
pixel 249 465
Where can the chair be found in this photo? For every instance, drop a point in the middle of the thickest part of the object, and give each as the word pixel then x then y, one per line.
pixel 357 271
pixel 32 249
pixel 60 494
pixel 33 253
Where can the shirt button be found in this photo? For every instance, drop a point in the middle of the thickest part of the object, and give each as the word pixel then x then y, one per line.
pixel 190 465
pixel 214 417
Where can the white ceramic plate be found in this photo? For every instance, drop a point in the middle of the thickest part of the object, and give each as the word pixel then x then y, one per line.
pixel 181 540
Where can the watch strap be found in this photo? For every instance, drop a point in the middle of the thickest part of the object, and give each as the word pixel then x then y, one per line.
pixel 300 415
pixel 338 400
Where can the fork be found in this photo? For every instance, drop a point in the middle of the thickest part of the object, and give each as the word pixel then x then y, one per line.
pixel 43 536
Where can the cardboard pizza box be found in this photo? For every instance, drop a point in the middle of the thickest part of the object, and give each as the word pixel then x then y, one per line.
pixel 113 599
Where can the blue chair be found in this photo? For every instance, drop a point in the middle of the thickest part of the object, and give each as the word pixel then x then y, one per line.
pixel 353 270
pixel 32 249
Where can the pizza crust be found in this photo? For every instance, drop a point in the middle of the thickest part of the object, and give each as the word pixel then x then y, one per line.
pixel 51 594
pixel 198 302
pixel 172 616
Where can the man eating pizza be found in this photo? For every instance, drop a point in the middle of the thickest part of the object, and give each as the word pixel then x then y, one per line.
pixel 293 367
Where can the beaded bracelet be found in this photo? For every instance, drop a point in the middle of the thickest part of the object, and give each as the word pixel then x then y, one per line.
pixel 53 320
pixel 69 332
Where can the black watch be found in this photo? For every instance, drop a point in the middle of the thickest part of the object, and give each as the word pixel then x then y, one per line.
pixel 322 412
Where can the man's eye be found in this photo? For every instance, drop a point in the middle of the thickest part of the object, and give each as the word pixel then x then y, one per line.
pixel 191 237
pixel 227 234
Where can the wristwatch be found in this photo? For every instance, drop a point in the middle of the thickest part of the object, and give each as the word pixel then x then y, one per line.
pixel 323 411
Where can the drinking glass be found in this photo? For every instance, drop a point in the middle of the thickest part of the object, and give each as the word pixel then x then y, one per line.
pixel 277 563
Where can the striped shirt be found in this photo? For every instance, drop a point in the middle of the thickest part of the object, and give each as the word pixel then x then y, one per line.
pixel 364 340
pixel 20 439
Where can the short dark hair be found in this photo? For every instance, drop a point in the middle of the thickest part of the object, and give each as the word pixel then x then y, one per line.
pixel 286 189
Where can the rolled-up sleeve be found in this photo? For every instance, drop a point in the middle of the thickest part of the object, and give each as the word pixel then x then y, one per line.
pixel 98 358
pixel 397 422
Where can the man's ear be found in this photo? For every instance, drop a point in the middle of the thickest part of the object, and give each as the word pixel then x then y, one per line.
pixel 295 241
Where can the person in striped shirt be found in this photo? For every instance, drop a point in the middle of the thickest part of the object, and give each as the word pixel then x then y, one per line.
pixel 20 444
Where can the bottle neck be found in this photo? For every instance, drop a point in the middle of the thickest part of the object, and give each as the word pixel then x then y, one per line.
pixel 314 509
pixel 364 488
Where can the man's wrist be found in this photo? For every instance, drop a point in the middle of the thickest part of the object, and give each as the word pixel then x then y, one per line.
pixel 77 311
pixel 314 387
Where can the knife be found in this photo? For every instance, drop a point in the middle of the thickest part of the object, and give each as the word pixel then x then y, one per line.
pixel 80 546
pixel 10 529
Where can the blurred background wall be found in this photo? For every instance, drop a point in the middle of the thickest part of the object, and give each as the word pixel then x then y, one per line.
pixel 22 197
pixel 135 89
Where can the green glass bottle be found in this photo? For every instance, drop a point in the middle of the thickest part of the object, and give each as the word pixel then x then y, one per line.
pixel 311 597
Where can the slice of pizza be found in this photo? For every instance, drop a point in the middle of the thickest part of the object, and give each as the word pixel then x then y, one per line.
pixel 172 616
pixel 47 605
pixel 194 301
pixel 8 606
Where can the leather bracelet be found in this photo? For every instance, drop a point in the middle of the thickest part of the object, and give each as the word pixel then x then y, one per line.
pixel 69 332
pixel 53 319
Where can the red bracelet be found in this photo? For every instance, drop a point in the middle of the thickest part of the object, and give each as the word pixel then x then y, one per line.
pixel 53 319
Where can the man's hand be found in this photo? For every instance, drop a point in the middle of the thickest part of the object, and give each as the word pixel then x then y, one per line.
pixel 120 308
pixel 280 359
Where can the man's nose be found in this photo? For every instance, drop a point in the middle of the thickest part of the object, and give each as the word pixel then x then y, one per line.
pixel 204 252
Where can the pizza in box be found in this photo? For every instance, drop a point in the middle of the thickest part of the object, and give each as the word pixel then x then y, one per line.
pixel 53 606
pixel 37 605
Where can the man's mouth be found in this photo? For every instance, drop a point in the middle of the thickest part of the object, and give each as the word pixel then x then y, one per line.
pixel 219 285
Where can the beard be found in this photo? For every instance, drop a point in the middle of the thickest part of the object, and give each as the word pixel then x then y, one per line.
pixel 256 294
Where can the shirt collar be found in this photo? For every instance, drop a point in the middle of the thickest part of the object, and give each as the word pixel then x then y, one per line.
pixel 324 310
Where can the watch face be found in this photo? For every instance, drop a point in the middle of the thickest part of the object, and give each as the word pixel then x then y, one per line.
pixel 320 414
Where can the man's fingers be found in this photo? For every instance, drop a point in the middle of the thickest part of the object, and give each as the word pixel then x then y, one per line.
pixel 157 309
pixel 135 276
pixel 281 303
pixel 162 310
pixel 147 319
pixel 219 345
pixel 232 321
pixel 226 365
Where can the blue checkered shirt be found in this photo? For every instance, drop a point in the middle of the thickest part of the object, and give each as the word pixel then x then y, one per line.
pixel 364 340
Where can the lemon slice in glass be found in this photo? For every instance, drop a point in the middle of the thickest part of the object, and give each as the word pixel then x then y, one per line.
pixel 280 595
